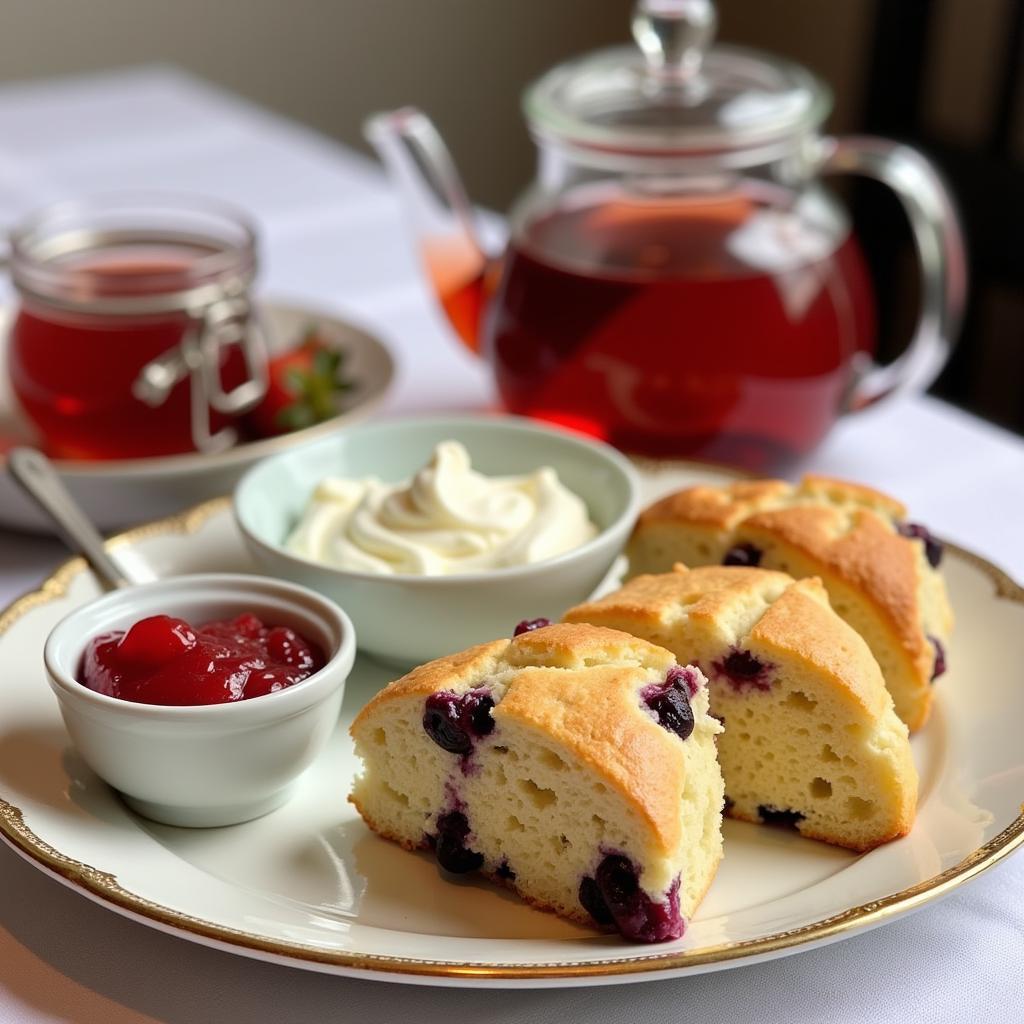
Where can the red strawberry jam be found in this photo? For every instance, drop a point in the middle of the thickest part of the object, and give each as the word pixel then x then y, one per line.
pixel 164 660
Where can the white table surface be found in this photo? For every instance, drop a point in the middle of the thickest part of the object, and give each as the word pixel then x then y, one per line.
pixel 333 236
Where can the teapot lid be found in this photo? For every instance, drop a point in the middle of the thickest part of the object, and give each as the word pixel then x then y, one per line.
pixel 674 94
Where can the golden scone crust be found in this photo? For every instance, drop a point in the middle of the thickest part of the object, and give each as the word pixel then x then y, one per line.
pixel 865 554
pixel 705 593
pixel 842 532
pixel 726 506
pixel 441 674
pixel 799 622
pixel 721 507
pixel 841 491
pixel 534 760
pixel 802 624
pixel 563 689
pixel 787 622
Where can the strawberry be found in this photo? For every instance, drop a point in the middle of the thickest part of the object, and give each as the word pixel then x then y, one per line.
pixel 304 387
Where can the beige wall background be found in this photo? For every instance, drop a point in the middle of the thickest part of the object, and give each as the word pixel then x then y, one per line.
pixel 330 62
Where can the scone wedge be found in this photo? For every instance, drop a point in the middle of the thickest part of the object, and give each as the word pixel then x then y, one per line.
pixel 811 738
pixel 881 571
pixel 573 763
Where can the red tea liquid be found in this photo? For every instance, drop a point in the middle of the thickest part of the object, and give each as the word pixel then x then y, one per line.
pixel 464 282
pixel 720 329
pixel 73 372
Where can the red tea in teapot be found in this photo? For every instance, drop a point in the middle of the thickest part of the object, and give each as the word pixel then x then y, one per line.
pixel 718 326
pixel 679 279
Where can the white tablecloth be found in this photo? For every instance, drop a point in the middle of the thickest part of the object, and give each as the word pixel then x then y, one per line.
pixel 333 236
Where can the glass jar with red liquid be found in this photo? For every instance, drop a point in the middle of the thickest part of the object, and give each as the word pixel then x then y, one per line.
pixel 678 279
pixel 135 335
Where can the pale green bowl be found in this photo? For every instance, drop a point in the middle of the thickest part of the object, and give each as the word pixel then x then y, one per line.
pixel 411 619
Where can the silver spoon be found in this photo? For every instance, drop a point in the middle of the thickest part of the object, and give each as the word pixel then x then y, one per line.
pixel 35 474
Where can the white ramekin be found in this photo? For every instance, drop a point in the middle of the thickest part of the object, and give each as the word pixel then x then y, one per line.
pixel 212 764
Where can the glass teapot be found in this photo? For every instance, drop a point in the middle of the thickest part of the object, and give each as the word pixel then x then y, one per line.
pixel 678 281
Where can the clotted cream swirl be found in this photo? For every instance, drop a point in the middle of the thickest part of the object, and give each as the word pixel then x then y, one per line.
pixel 448 519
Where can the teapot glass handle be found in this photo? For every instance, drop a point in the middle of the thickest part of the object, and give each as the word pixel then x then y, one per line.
pixel 940 249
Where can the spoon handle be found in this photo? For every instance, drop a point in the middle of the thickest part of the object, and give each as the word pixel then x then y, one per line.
pixel 34 472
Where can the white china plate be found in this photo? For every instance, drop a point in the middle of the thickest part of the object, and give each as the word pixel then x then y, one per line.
pixel 310 886
pixel 115 493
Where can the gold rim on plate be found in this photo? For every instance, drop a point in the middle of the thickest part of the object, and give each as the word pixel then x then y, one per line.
pixel 106 888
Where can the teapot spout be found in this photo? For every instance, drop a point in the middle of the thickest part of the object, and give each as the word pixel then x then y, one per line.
pixel 421 166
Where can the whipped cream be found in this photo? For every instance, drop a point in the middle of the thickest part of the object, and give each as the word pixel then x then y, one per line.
pixel 448 519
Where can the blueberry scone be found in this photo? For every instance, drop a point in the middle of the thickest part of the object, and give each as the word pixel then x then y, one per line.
pixel 574 764
pixel 880 571
pixel 811 738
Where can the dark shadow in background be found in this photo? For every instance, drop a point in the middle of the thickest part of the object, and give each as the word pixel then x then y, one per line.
pixel 986 373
